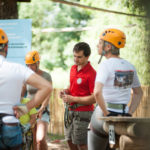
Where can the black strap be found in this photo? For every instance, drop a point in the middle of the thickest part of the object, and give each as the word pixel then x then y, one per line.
pixel 97 132
pixel 124 106
pixel 117 114
pixel 46 111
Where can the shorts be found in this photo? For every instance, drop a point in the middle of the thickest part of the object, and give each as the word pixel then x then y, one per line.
pixel 77 130
pixel 45 117
pixel 10 136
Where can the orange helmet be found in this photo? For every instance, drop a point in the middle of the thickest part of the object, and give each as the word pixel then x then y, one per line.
pixel 32 57
pixel 114 36
pixel 3 37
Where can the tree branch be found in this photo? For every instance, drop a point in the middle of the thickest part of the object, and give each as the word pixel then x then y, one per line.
pixel 98 9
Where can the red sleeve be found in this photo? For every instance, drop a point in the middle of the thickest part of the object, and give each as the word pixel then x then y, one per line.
pixel 92 77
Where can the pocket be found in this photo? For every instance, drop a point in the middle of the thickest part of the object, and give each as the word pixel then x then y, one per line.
pixel 11 131
pixel 12 135
pixel 85 115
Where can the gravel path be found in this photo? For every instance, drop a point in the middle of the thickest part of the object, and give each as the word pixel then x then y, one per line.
pixel 57 145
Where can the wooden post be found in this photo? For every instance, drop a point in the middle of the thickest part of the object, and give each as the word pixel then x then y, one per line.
pixel 130 129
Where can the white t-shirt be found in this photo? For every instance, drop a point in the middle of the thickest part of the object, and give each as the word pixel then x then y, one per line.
pixel 118 77
pixel 12 77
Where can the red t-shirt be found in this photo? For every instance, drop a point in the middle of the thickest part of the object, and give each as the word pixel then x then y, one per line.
pixel 82 84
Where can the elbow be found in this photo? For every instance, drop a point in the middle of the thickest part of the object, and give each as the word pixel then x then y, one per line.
pixel 49 88
pixel 96 94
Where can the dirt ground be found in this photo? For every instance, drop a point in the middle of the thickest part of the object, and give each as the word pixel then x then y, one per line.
pixel 57 145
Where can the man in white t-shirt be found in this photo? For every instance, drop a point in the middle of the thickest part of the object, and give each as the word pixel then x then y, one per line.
pixel 114 81
pixel 12 78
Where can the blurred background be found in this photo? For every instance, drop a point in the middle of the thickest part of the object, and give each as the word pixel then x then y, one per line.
pixel 57 25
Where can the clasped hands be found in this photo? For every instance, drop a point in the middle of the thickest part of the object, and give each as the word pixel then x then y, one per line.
pixel 64 94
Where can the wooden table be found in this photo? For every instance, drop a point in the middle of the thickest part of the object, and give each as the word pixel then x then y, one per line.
pixel 133 132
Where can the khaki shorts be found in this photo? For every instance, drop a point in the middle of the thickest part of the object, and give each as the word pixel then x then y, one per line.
pixel 77 131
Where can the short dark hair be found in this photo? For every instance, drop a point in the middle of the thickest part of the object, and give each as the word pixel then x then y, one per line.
pixel 82 46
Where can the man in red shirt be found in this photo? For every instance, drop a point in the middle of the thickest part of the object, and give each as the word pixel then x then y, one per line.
pixel 79 98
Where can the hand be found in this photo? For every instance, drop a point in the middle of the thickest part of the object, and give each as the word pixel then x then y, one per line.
pixel 33 120
pixel 63 92
pixel 40 112
pixel 68 98
pixel 20 110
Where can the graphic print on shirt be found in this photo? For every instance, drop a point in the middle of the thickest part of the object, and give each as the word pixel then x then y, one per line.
pixel 79 81
pixel 123 79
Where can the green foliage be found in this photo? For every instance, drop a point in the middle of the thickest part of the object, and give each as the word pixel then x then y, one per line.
pixel 45 14
pixel 137 32
pixel 56 47
pixel 141 6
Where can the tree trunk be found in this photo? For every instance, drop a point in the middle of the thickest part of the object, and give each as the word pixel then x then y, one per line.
pixel 8 9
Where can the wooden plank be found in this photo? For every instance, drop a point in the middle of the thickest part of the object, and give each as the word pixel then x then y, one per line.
pixel 131 129
pixel 130 143
pixel 126 119
pixel 56 125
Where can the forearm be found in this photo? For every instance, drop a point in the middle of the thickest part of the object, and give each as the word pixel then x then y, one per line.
pixel 86 100
pixel 23 92
pixel 100 101
pixel 137 95
pixel 99 97
pixel 38 99
pixel 46 101
pixel 44 89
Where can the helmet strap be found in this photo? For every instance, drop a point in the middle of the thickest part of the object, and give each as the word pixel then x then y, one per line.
pixel 103 53
pixel 2 47
pixel 100 59
pixel 37 66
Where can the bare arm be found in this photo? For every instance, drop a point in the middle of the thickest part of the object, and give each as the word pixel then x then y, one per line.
pixel 23 90
pixel 44 88
pixel 86 100
pixel 137 95
pixel 46 101
pixel 99 97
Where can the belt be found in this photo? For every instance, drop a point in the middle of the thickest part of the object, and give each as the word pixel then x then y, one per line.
pixel 11 124
pixel 116 106
pixel 74 106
